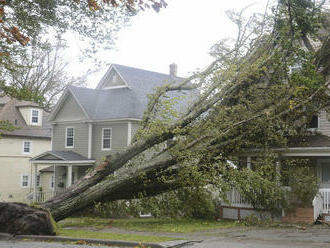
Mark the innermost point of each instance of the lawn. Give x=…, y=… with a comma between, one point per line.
x=149, y=224
x=112, y=236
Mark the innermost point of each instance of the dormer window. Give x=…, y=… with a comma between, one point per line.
x=35, y=116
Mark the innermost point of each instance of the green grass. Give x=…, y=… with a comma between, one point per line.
x=150, y=224
x=112, y=236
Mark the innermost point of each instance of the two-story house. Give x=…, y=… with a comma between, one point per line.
x=89, y=124
x=17, y=147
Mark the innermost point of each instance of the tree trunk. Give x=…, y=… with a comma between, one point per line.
x=125, y=185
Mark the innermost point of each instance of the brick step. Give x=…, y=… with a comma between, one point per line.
x=300, y=215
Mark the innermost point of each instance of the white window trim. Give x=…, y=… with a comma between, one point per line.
x=35, y=123
x=23, y=147
x=102, y=148
x=66, y=137
x=28, y=182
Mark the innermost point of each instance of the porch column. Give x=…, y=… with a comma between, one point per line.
x=278, y=171
x=90, y=133
x=248, y=162
x=54, y=188
x=35, y=175
x=69, y=176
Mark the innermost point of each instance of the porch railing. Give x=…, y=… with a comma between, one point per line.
x=325, y=195
x=321, y=203
x=235, y=199
x=41, y=196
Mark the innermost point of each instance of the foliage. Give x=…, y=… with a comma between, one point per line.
x=28, y=22
x=300, y=176
x=6, y=126
x=185, y=202
x=260, y=186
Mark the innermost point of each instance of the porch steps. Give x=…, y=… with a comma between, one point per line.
x=300, y=215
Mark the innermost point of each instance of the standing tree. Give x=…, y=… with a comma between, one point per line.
x=25, y=25
x=249, y=99
x=41, y=76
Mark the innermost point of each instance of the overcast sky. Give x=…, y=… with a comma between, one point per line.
x=182, y=33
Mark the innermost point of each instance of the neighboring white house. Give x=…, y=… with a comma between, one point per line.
x=32, y=137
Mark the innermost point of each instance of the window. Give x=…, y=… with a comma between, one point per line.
x=38, y=181
x=69, y=137
x=106, y=138
x=52, y=182
x=27, y=147
x=314, y=122
x=25, y=181
x=35, y=116
x=325, y=174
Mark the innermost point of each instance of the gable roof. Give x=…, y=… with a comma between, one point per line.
x=61, y=157
x=10, y=112
x=137, y=78
x=119, y=103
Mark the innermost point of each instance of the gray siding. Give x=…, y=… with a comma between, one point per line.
x=80, y=138
x=135, y=127
x=118, y=141
x=324, y=123
x=70, y=111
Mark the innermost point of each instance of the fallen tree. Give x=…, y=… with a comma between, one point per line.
x=250, y=98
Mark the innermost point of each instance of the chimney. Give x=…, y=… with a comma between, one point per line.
x=173, y=70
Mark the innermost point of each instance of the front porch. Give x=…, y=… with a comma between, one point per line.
x=63, y=169
x=317, y=150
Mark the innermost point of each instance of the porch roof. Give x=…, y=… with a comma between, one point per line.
x=312, y=146
x=61, y=157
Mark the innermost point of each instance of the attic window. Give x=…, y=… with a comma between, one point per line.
x=106, y=138
x=35, y=116
x=69, y=137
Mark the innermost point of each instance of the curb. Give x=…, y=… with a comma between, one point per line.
x=92, y=241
